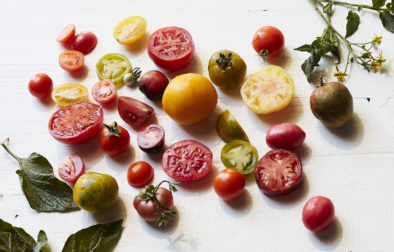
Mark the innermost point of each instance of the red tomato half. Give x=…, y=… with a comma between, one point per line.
x=84, y=42
x=71, y=168
x=104, y=91
x=187, y=160
x=318, y=213
x=66, y=35
x=71, y=61
x=171, y=48
x=268, y=41
x=76, y=123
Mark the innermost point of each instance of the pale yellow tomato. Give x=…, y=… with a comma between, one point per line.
x=189, y=98
x=130, y=30
x=69, y=93
x=268, y=90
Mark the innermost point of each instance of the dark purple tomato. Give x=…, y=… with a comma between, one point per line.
x=133, y=111
x=151, y=138
x=84, y=42
x=153, y=84
x=286, y=136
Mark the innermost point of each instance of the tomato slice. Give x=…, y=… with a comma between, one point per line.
x=151, y=138
x=187, y=160
x=71, y=168
x=130, y=30
x=278, y=172
x=104, y=91
x=240, y=155
x=71, y=61
x=113, y=66
x=171, y=48
x=69, y=93
x=76, y=123
x=66, y=35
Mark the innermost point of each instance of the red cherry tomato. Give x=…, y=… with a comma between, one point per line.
x=76, y=123
x=66, y=35
x=153, y=84
x=84, y=42
x=288, y=136
x=151, y=138
x=133, y=111
x=278, y=172
x=268, y=41
x=229, y=184
x=71, y=168
x=187, y=160
x=171, y=48
x=104, y=91
x=114, y=139
x=140, y=174
x=318, y=213
x=40, y=85
x=71, y=61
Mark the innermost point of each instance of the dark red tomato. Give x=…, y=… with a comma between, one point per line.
x=133, y=111
x=187, y=160
x=288, y=136
x=268, y=41
x=278, y=172
x=71, y=61
x=140, y=174
x=171, y=48
x=229, y=184
x=84, y=42
x=40, y=85
x=147, y=209
x=104, y=91
x=114, y=139
x=76, y=123
x=318, y=213
x=151, y=138
x=66, y=35
x=71, y=168
x=153, y=84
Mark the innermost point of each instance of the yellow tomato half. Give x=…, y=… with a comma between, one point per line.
x=69, y=93
x=189, y=98
x=130, y=30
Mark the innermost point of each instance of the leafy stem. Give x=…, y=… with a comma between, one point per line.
x=6, y=141
x=113, y=130
x=362, y=6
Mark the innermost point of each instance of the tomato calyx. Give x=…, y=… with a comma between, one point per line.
x=164, y=212
x=132, y=78
x=113, y=130
x=264, y=54
x=224, y=62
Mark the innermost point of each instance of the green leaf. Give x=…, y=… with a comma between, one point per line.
x=309, y=64
x=353, y=21
x=43, y=191
x=14, y=239
x=330, y=43
x=328, y=9
x=378, y=3
x=97, y=238
x=304, y=48
x=387, y=20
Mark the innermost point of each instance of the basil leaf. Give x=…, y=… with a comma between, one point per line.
x=353, y=21
x=378, y=3
x=304, y=48
x=387, y=20
x=43, y=191
x=14, y=239
x=97, y=238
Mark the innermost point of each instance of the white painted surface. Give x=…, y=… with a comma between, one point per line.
x=352, y=165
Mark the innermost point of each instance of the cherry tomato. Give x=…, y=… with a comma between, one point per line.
x=287, y=136
x=318, y=213
x=71, y=61
x=71, y=168
x=278, y=172
x=66, y=35
x=104, y=91
x=187, y=160
x=269, y=42
x=76, y=123
x=84, y=42
x=151, y=138
x=240, y=155
x=140, y=174
x=229, y=184
x=171, y=48
x=40, y=85
x=153, y=84
x=114, y=139
x=133, y=111
x=130, y=30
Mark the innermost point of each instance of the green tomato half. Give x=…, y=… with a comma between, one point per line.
x=240, y=155
x=228, y=128
x=113, y=66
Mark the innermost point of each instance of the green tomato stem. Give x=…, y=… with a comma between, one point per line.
x=355, y=5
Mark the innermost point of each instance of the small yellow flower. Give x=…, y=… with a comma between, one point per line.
x=376, y=65
x=377, y=40
x=340, y=75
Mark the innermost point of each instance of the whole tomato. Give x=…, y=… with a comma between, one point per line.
x=269, y=42
x=114, y=139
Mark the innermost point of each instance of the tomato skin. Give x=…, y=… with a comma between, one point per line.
x=114, y=145
x=71, y=168
x=151, y=138
x=133, y=111
x=104, y=91
x=288, y=136
x=40, y=85
x=153, y=84
x=147, y=209
x=66, y=35
x=318, y=213
x=71, y=61
x=229, y=184
x=140, y=174
x=269, y=38
x=84, y=42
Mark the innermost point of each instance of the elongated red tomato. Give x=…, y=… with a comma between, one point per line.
x=76, y=123
x=71, y=61
x=71, y=168
x=171, y=48
x=318, y=213
x=104, y=91
x=288, y=136
x=187, y=160
x=133, y=111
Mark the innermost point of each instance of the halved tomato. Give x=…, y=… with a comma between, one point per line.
x=104, y=91
x=130, y=30
x=69, y=93
x=66, y=35
x=71, y=61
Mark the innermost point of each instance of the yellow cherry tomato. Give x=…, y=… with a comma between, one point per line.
x=130, y=30
x=268, y=90
x=69, y=93
x=189, y=98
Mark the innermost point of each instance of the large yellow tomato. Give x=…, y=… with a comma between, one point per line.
x=130, y=30
x=189, y=98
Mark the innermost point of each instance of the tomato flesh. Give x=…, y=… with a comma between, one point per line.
x=278, y=172
x=104, y=91
x=318, y=213
x=71, y=168
x=187, y=160
x=140, y=174
x=76, y=123
x=66, y=35
x=151, y=138
x=133, y=111
x=71, y=61
x=240, y=155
